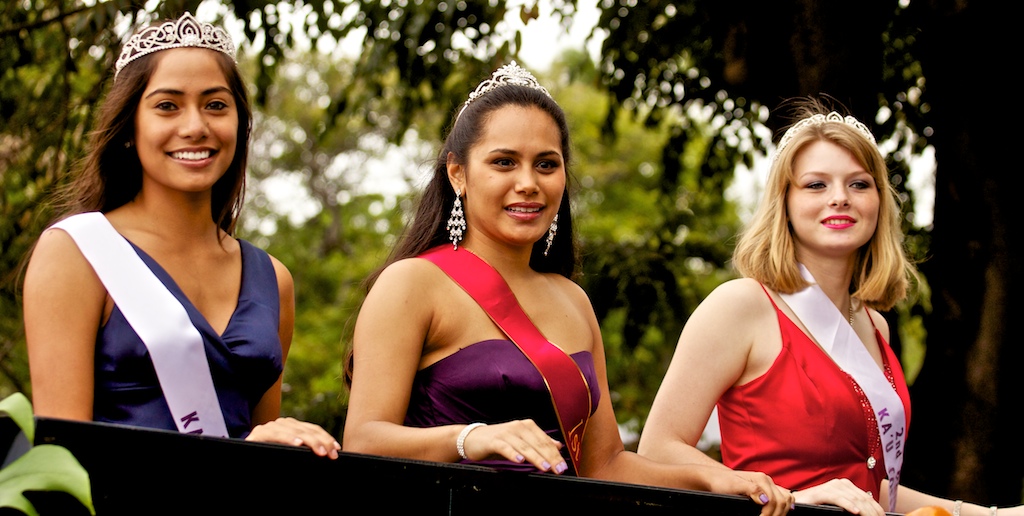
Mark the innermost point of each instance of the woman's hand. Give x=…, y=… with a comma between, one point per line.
x=775, y=500
x=843, y=494
x=286, y=430
x=518, y=441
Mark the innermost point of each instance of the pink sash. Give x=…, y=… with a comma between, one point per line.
x=563, y=377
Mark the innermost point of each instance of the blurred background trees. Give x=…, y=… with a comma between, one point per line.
x=671, y=127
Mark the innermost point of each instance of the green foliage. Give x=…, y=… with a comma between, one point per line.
x=659, y=125
x=44, y=467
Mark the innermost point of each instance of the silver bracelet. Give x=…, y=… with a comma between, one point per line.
x=995, y=510
x=460, y=443
x=956, y=507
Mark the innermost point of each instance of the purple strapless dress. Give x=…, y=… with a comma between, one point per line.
x=491, y=381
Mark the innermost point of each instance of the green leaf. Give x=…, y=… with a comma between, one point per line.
x=19, y=409
x=45, y=467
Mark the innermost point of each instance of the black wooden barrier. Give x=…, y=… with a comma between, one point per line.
x=137, y=471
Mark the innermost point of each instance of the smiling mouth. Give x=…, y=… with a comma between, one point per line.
x=517, y=209
x=192, y=156
x=835, y=222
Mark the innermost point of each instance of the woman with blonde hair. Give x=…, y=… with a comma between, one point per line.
x=795, y=353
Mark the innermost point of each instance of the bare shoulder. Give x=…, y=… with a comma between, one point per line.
x=58, y=278
x=284, y=276
x=739, y=295
x=56, y=251
x=408, y=277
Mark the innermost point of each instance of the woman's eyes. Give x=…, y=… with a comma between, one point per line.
x=858, y=184
x=216, y=105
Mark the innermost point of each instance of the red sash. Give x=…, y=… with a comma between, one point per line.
x=563, y=377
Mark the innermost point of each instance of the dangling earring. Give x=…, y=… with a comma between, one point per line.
x=128, y=144
x=551, y=234
x=457, y=222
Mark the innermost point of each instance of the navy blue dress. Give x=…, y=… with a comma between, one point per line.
x=245, y=360
x=492, y=382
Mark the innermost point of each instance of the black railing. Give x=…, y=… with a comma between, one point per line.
x=141, y=472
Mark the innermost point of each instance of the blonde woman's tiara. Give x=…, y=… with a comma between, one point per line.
x=820, y=119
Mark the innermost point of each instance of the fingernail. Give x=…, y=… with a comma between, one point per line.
x=545, y=465
x=520, y=458
x=763, y=497
x=297, y=441
x=792, y=506
x=561, y=467
x=323, y=451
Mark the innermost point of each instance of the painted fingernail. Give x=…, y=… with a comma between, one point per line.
x=545, y=465
x=763, y=497
x=792, y=506
x=520, y=458
x=561, y=467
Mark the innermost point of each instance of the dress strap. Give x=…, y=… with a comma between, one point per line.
x=765, y=289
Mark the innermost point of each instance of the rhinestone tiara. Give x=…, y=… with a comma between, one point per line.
x=510, y=74
x=820, y=119
x=183, y=32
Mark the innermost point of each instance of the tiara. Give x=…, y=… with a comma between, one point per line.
x=184, y=32
x=510, y=74
x=820, y=119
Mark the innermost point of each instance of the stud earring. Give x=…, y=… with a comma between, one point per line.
x=457, y=222
x=551, y=234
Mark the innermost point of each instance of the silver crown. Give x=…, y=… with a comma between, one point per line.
x=820, y=119
x=184, y=32
x=510, y=74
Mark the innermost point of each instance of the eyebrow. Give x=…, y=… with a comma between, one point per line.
x=171, y=91
x=516, y=153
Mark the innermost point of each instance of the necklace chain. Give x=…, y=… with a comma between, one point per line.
x=851, y=310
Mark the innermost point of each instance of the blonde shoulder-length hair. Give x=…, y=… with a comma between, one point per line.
x=765, y=250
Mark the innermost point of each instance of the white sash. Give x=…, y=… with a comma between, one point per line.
x=158, y=318
x=834, y=333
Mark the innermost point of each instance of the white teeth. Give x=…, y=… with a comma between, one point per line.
x=523, y=210
x=837, y=221
x=191, y=156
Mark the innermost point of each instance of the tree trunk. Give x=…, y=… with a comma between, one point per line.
x=960, y=440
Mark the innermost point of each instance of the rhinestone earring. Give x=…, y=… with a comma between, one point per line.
x=551, y=234
x=457, y=222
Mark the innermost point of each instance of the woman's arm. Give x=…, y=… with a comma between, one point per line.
x=909, y=499
x=63, y=308
x=267, y=425
x=606, y=458
x=711, y=355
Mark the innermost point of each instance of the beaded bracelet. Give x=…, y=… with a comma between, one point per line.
x=460, y=443
x=956, y=507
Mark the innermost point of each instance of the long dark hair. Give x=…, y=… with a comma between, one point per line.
x=110, y=175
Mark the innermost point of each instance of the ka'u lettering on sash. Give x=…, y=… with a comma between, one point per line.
x=158, y=318
x=828, y=327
